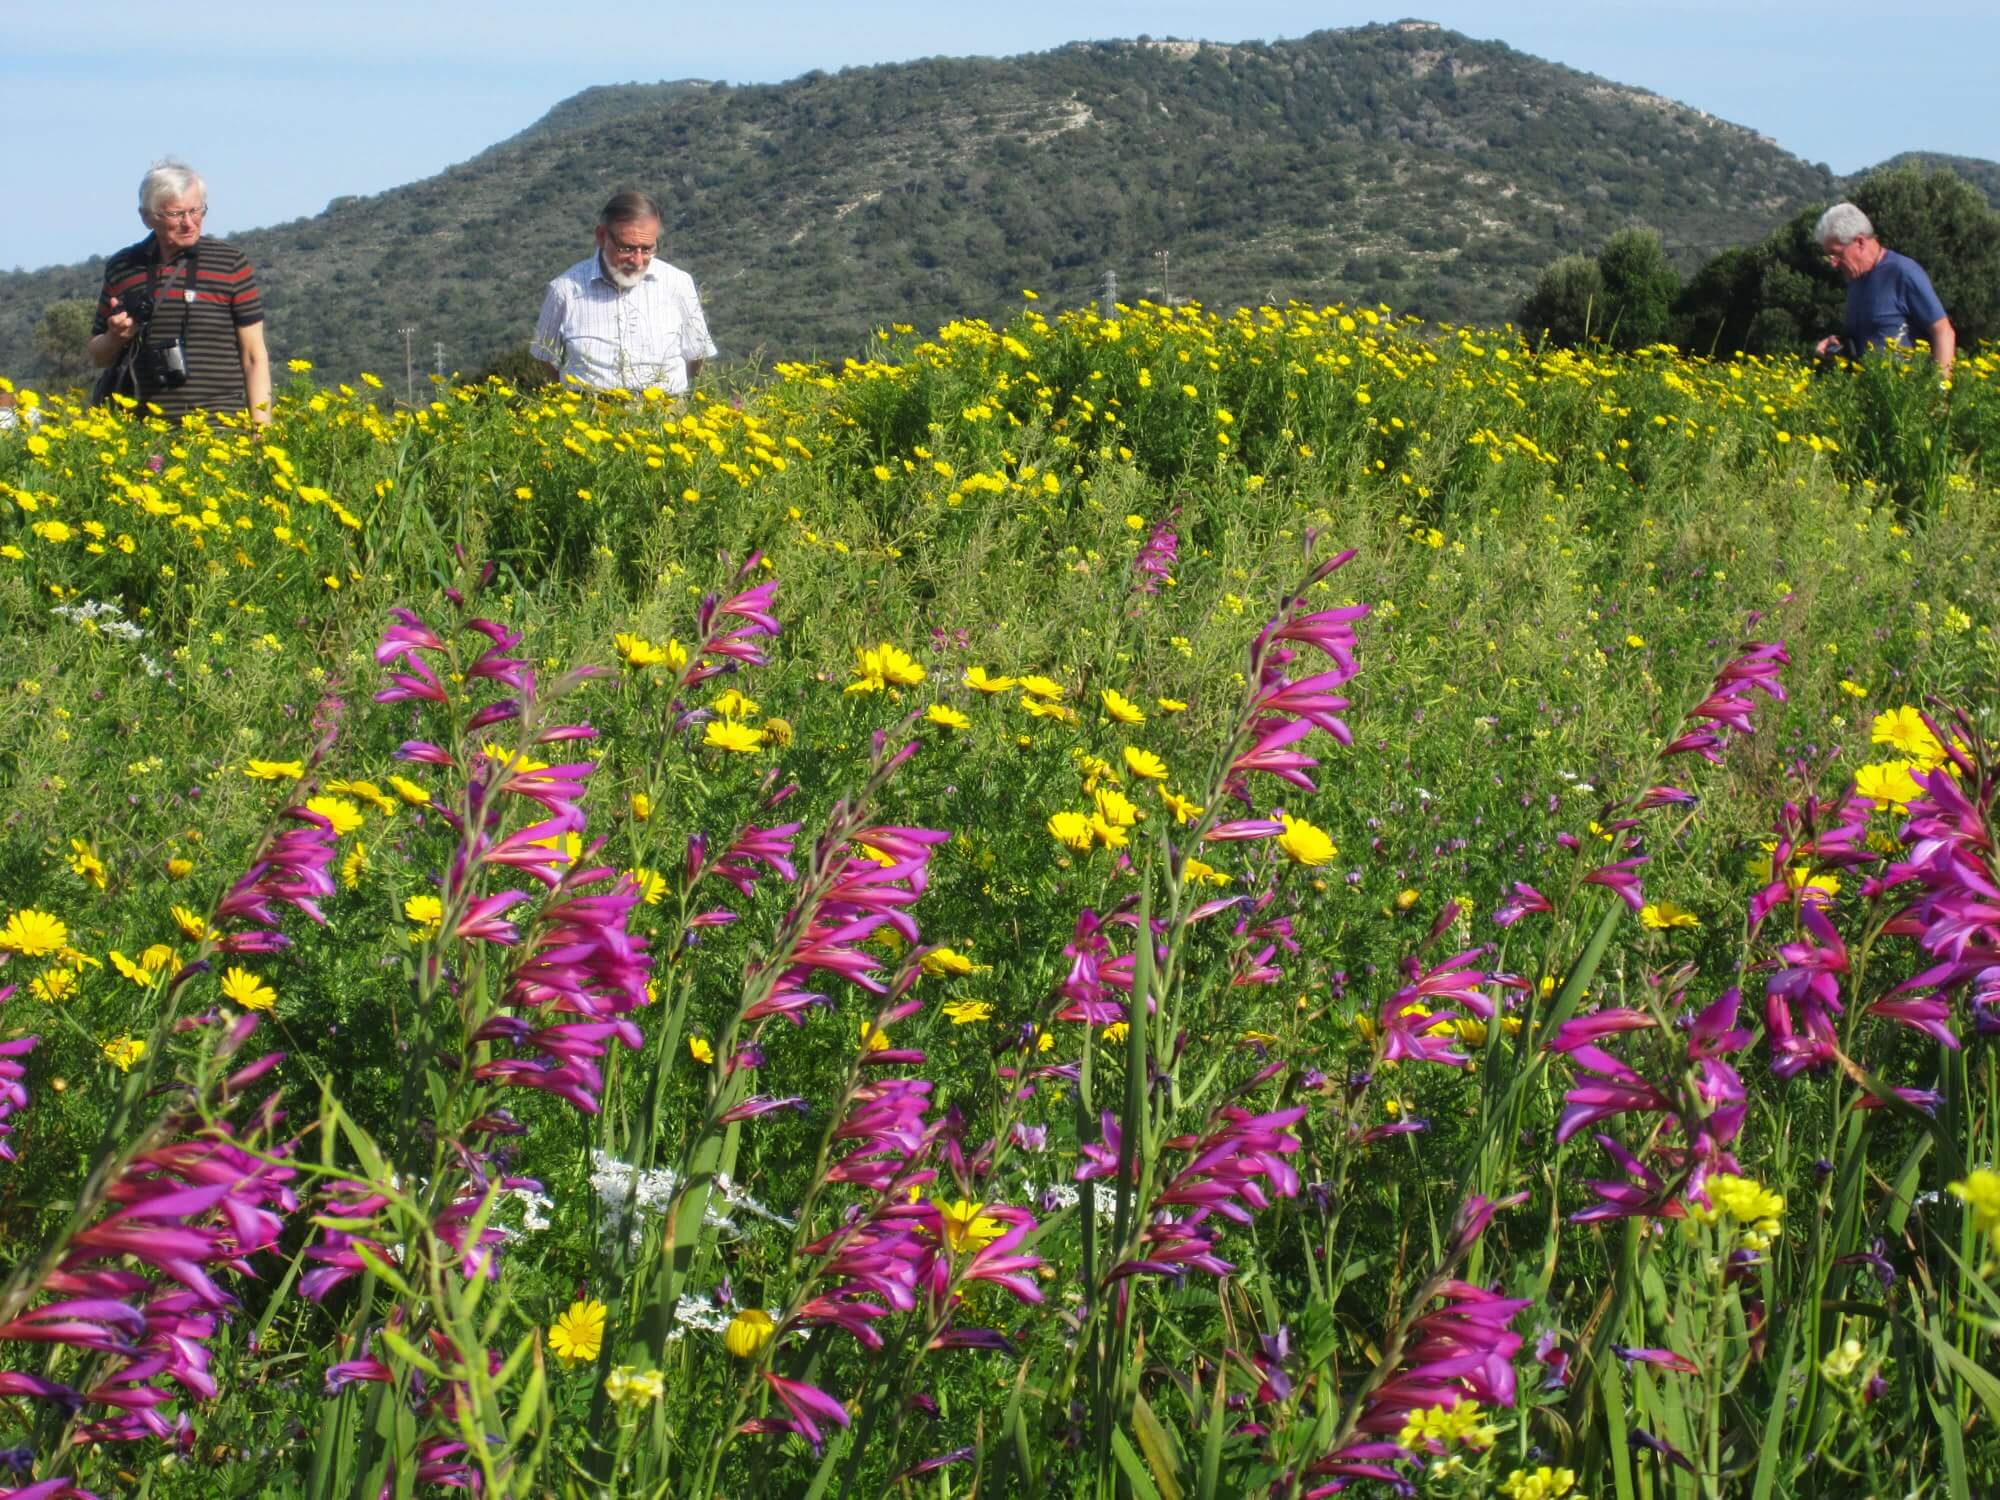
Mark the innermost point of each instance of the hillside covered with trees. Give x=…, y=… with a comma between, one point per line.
x=1401, y=163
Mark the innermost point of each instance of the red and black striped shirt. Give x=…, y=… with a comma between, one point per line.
x=219, y=298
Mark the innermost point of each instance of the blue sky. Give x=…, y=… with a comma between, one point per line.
x=312, y=99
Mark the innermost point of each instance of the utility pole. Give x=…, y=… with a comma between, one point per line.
x=409, y=366
x=438, y=350
x=1166, y=281
x=1107, y=301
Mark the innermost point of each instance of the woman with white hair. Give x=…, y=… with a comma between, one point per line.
x=179, y=325
x=1889, y=298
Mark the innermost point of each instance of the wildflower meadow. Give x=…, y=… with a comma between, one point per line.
x=1165, y=905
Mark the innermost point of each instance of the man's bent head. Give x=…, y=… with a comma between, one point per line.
x=628, y=236
x=1847, y=239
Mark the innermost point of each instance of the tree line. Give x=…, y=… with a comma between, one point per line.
x=1777, y=295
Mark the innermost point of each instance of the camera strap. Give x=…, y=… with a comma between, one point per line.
x=192, y=261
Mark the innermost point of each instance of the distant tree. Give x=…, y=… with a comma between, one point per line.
x=517, y=367
x=1567, y=304
x=1639, y=288
x=59, y=340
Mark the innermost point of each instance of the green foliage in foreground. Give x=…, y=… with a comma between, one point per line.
x=1557, y=555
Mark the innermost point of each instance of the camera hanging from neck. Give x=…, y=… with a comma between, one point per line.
x=123, y=374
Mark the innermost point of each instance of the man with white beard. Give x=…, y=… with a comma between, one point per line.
x=623, y=320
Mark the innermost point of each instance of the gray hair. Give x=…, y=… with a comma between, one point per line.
x=629, y=206
x=1843, y=222
x=170, y=177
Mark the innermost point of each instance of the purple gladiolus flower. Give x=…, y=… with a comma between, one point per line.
x=805, y=1403
x=179, y=1213
x=1154, y=564
x=1664, y=1359
x=932, y=1465
x=1640, y=1438
x=13, y=1092
x=1524, y=900
x=1621, y=878
x=1462, y=1350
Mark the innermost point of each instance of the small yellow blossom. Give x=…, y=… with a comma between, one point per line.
x=700, y=1050
x=949, y=718
x=942, y=963
x=83, y=861
x=651, y=883
x=247, y=990
x=577, y=1336
x=1904, y=730
x=883, y=666
x=1889, y=784
x=1304, y=844
x=1119, y=708
x=727, y=734
x=1072, y=829
x=1663, y=915
x=749, y=1331
x=625, y=1386
x=342, y=814
x=967, y=1226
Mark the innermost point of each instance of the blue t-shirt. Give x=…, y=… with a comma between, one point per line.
x=1892, y=304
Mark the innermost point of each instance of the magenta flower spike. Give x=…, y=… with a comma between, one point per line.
x=1524, y=900
x=482, y=919
x=1462, y=1350
x=493, y=664
x=13, y=1092
x=137, y=1283
x=1621, y=878
x=1268, y=752
x=806, y=1403
x=1574, y=1033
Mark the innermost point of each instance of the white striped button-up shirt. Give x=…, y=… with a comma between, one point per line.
x=601, y=335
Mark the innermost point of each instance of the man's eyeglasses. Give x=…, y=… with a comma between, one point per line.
x=619, y=247
x=184, y=215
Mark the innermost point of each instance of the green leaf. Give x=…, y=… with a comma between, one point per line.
x=1162, y=1453
x=531, y=1403
x=1211, y=1439
x=1133, y=1466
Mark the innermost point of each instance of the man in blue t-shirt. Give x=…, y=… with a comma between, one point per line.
x=1889, y=298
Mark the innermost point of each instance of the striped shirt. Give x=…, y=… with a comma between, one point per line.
x=601, y=335
x=220, y=298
